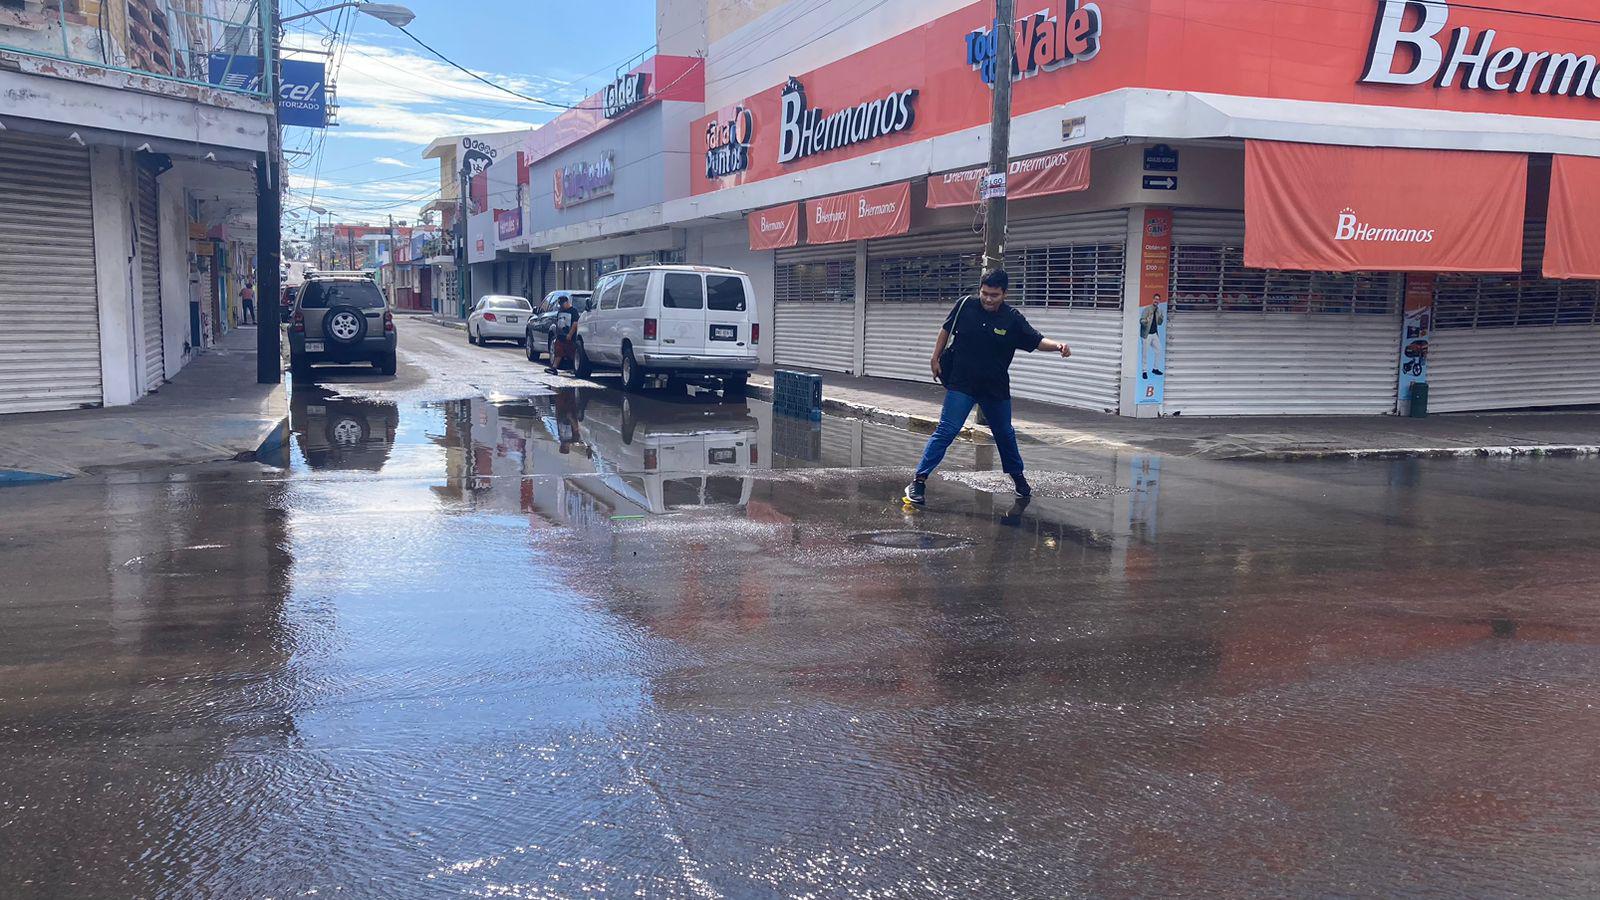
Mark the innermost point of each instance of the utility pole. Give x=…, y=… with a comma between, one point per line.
x=394, y=262
x=996, y=211
x=269, y=214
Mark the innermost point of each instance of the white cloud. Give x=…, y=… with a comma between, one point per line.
x=391, y=161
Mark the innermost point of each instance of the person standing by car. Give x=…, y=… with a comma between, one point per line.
x=247, y=298
x=565, y=330
x=981, y=338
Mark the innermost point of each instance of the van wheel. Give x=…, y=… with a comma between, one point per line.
x=632, y=375
x=582, y=367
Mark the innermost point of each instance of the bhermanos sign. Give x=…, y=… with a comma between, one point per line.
x=807, y=131
x=1410, y=47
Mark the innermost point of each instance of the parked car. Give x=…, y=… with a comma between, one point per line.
x=498, y=317
x=690, y=323
x=341, y=317
x=539, y=333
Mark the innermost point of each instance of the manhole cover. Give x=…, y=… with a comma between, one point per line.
x=909, y=540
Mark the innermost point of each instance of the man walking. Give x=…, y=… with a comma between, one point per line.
x=565, y=330
x=247, y=297
x=982, y=336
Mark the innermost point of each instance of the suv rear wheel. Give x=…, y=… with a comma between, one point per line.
x=387, y=364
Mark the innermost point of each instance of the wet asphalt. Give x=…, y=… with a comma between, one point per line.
x=479, y=636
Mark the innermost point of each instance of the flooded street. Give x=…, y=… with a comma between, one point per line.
x=481, y=638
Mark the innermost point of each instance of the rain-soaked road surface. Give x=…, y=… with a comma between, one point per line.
x=578, y=645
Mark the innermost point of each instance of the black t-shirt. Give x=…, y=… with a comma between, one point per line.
x=984, y=344
x=565, y=319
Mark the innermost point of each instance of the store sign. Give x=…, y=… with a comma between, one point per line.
x=1037, y=176
x=807, y=131
x=728, y=144
x=626, y=94
x=582, y=182
x=776, y=228
x=302, y=86
x=1155, y=274
x=508, y=223
x=859, y=216
x=1053, y=37
x=1417, y=53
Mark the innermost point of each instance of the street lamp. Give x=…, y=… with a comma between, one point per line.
x=393, y=13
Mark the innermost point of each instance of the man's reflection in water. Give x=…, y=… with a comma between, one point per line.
x=569, y=416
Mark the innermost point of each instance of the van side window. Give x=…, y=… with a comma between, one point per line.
x=634, y=289
x=608, y=293
x=725, y=293
x=681, y=290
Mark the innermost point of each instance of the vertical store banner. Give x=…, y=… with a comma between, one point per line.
x=775, y=228
x=859, y=215
x=1572, y=243
x=1155, y=275
x=1318, y=208
x=1415, y=334
x=1038, y=176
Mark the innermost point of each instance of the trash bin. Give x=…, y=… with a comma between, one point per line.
x=1419, y=400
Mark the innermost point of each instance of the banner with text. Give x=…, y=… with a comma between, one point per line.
x=1155, y=274
x=775, y=228
x=859, y=215
x=1037, y=176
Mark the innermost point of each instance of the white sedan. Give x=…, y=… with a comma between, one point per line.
x=499, y=318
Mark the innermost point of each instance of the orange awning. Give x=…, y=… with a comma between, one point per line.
x=1321, y=208
x=775, y=228
x=1572, y=243
x=859, y=216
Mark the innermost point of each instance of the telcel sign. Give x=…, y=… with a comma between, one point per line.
x=626, y=93
x=1045, y=41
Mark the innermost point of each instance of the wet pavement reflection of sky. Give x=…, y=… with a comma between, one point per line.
x=669, y=646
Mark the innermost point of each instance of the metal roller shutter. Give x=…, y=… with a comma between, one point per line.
x=49, y=305
x=149, y=237
x=900, y=339
x=1512, y=341
x=518, y=278
x=1091, y=378
x=1257, y=342
x=814, y=325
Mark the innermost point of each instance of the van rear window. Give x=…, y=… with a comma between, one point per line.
x=725, y=293
x=683, y=291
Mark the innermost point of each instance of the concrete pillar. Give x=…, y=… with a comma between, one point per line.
x=174, y=227
x=1134, y=265
x=111, y=182
x=860, y=363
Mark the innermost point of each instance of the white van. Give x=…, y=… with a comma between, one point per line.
x=685, y=322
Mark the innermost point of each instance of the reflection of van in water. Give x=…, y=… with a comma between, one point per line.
x=657, y=456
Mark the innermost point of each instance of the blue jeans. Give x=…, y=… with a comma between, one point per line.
x=957, y=407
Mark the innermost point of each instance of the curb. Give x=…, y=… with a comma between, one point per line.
x=878, y=415
x=448, y=323
x=1530, y=450
x=274, y=449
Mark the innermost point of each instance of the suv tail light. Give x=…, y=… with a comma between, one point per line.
x=755, y=455
x=755, y=332
x=298, y=323
x=651, y=329
x=388, y=322
x=489, y=317
x=651, y=460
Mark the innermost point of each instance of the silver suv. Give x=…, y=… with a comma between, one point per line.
x=341, y=317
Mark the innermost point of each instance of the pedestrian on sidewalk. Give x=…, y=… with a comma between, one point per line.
x=247, y=297
x=972, y=359
x=565, y=329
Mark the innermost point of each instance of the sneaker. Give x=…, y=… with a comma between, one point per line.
x=1024, y=490
x=552, y=370
x=917, y=493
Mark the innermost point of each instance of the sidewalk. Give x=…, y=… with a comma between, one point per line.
x=916, y=406
x=213, y=410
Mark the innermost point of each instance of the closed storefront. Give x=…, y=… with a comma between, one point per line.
x=49, y=314
x=814, y=308
x=1246, y=341
x=1511, y=341
x=1067, y=278
x=148, y=232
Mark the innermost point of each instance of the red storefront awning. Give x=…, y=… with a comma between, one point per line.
x=775, y=228
x=859, y=215
x=1572, y=243
x=1037, y=176
x=1351, y=209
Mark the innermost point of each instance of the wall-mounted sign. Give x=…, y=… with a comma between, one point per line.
x=728, y=144
x=626, y=93
x=807, y=131
x=1155, y=274
x=1045, y=41
x=1160, y=182
x=302, y=86
x=1415, y=334
x=508, y=223
x=1413, y=54
x=859, y=216
x=1062, y=172
x=585, y=181
x=775, y=228
x=1160, y=158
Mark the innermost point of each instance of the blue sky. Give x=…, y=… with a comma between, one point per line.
x=394, y=97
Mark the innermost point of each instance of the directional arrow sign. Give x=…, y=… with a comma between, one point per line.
x=1161, y=182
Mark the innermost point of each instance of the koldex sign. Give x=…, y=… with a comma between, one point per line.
x=1043, y=42
x=807, y=131
x=728, y=144
x=626, y=93
x=1468, y=60
x=582, y=182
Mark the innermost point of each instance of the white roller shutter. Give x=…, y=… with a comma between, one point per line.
x=1257, y=342
x=149, y=237
x=1516, y=340
x=49, y=309
x=1091, y=378
x=814, y=325
x=518, y=278
x=900, y=339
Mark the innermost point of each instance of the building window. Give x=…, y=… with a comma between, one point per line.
x=1214, y=278
x=832, y=281
x=1068, y=276
x=672, y=257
